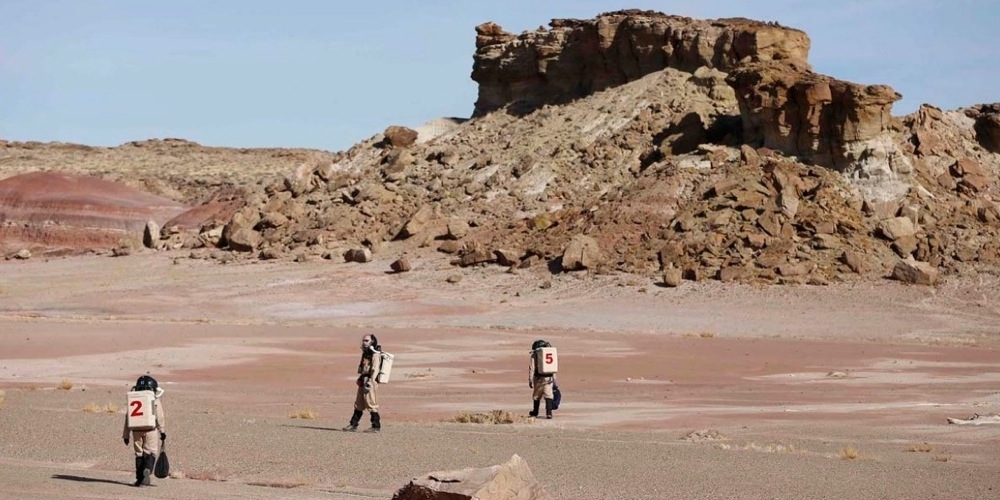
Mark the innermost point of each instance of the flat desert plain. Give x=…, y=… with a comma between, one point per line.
x=709, y=390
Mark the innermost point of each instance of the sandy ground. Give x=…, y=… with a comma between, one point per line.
x=706, y=391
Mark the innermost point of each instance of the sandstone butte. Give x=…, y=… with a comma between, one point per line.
x=639, y=142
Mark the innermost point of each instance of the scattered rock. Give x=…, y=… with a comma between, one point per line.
x=359, y=255
x=512, y=480
x=151, y=234
x=915, y=272
x=400, y=137
x=672, y=277
x=400, y=265
x=582, y=252
x=703, y=435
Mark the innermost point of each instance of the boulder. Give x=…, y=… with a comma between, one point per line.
x=672, y=277
x=915, y=272
x=418, y=222
x=359, y=255
x=582, y=252
x=151, y=235
x=896, y=228
x=509, y=481
x=400, y=137
x=400, y=265
x=987, y=125
x=457, y=229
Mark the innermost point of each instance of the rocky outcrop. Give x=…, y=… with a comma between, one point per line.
x=59, y=211
x=578, y=57
x=817, y=118
x=783, y=105
x=987, y=117
x=509, y=481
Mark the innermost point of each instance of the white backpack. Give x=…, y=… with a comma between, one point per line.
x=385, y=369
x=141, y=410
x=546, y=361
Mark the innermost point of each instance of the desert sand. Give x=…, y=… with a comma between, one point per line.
x=709, y=390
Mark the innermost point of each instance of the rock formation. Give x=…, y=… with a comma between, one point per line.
x=74, y=212
x=579, y=57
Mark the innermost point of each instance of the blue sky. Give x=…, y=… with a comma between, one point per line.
x=327, y=74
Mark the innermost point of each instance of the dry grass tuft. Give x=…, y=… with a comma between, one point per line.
x=199, y=476
x=849, y=453
x=492, y=417
x=920, y=448
x=763, y=448
x=941, y=458
x=91, y=408
x=306, y=414
x=110, y=408
x=65, y=385
x=290, y=483
x=703, y=435
x=706, y=335
x=3, y=395
x=423, y=374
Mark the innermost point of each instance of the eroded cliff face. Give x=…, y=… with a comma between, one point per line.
x=783, y=104
x=578, y=57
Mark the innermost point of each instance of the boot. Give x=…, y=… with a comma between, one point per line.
x=548, y=408
x=140, y=462
x=376, y=422
x=355, y=420
x=534, y=406
x=149, y=460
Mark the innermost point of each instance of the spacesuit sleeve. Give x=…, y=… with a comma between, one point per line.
x=161, y=423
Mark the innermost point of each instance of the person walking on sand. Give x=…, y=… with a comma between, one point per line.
x=143, y=418
x=542, y=367
x=366, y=397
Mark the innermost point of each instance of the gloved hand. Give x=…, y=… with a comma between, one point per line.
x=163, y=436
x=531, y=385
x=126, y=441
x=368, y=387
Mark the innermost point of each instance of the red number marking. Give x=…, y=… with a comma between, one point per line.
x=548, y=358
x=137, y=411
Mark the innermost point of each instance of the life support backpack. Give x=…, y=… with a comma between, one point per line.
x=546, y=358
x=140, y=408
x=385, y=367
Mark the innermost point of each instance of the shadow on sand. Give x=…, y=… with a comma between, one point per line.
x=81, y=479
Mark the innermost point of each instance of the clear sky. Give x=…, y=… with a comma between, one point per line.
x=327, y=74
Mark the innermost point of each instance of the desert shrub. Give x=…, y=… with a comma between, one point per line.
x=306, y=414
x=492, y=417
